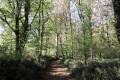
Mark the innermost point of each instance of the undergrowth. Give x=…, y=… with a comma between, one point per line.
x=95, y=69
x=27, y=69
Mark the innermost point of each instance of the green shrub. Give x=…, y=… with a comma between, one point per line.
x=95, y=69
x=25, y=70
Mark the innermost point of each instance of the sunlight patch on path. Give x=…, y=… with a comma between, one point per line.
x=56, y=71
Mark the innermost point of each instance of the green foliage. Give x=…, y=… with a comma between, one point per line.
x=27, y=69
x=95, y=69
x=79, y=38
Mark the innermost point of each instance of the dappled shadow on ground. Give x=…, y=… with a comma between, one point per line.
x=56, y=71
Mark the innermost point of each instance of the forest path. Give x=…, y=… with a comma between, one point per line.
x=56, y=71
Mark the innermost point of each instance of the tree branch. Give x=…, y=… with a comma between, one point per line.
x=34, y=17
x=7, y=23
x=46, y=19
x=9, y=2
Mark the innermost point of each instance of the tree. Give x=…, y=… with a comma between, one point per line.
x=21, y=26
x=116, y=7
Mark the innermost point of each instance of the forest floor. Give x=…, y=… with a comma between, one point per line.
x=57, y=71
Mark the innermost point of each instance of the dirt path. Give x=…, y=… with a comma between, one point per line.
x=56, y=71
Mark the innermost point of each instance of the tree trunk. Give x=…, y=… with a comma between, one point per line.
x=116, y=6
x=17, y=33
x=61, y=46
x=71, y=31
x=41, y=47
x=108, y=38
x=57, y=45
x=46, y=44
x=100, y=42
x=65, y=23
x=91, y=44
x=39, y=35
x=25, y=25
x=84, y=45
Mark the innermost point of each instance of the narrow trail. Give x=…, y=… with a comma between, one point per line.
x=56, y=71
